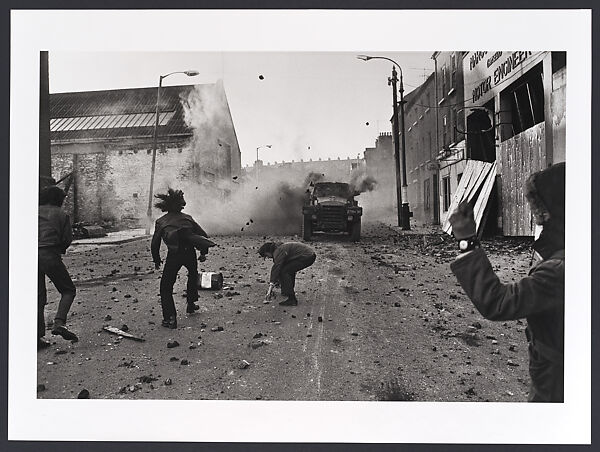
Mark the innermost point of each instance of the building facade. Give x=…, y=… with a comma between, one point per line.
x=332, y=170
x=380, y=164
x=104, y=139
x=515, y=114
x=450, y=139
x=420, y=142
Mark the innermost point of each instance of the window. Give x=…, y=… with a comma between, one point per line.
x=445, y=131
x=459, y=177
x=446, y=192
x=426, y=195
x=354, y=165
x=453, y=71
x=444, y=87
x=454, y=120
x=526, y=101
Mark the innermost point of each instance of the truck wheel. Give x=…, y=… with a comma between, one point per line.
x=306, y=228
x=355, y=232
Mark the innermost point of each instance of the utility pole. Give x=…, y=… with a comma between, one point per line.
x=45, y=159
x=406, y=214
x=393, y=81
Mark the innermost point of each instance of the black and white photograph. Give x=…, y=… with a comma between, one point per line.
x=300, y=219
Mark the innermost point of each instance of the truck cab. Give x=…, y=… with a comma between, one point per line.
x=331, y=207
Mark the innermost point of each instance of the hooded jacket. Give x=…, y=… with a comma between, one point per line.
x=539, y=297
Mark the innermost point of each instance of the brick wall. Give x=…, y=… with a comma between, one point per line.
x=112, y=181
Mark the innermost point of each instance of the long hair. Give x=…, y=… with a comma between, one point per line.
x=52, y=195
x=172, y=201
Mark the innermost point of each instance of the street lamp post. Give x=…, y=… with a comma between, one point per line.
x=404, y=213
x=262, y=146
x=189, y=73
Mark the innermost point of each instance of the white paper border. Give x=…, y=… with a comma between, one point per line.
x=274, y=30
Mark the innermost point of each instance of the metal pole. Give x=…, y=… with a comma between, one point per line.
x=45, y=159
x=393, y=81
x=150, y=194
x=405, y=209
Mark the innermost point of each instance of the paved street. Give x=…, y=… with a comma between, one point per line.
x=379, y=320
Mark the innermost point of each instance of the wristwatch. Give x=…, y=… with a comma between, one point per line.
x=468, y=244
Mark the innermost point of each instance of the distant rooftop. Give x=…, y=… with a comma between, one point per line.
x=99, y=115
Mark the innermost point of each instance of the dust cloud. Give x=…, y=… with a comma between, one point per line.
x=267, y=203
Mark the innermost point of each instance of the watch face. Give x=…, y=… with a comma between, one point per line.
x=463, y=245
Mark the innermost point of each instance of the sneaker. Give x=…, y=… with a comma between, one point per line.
x=42, y=343
x=291, y=301
x=61, y=330
x=170, y=323
x=191, y=308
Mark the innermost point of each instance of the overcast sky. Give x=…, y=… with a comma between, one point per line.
x=307, y=105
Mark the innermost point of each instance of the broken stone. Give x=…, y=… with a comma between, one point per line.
x=168, y=382
x=83, y=394
x=184, y=362
x=172, y=344
x=124, y=328
x=147, y=379
x=470, y=392
x=354, y=334
x=244, y=364
x=257, y=344
x=217, y=328
x=60, y=352
x=41, y=388
x=173, y=359
x=511, y=363
x=257, y=335
x=107, y=318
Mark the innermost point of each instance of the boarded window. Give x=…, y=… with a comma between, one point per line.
x=526, y=101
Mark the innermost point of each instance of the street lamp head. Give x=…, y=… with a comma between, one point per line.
x=363, y=57
x=191, y=73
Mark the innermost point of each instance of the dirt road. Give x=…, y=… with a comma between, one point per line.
x=379, y=320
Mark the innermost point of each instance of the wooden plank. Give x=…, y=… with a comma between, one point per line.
x=479, y=172
x=483, y=172
x=460, y=190
x=483, y=197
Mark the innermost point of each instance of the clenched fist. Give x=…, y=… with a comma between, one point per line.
x=463, y=221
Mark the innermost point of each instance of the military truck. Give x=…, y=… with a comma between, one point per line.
x=331, y=207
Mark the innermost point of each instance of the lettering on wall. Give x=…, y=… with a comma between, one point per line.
x=476, y=58
x=497, y=68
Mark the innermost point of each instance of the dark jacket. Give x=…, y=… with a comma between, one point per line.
x=54, y=228
x=285, y=253
x=167, y=228
x=539, y=297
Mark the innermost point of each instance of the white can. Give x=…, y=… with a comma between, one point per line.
x=210, y=280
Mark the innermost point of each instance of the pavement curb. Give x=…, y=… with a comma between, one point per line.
x=107, y=242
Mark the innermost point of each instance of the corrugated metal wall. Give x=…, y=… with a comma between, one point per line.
x=518, y=157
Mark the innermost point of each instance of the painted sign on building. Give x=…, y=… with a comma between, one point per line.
x=487, y=73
